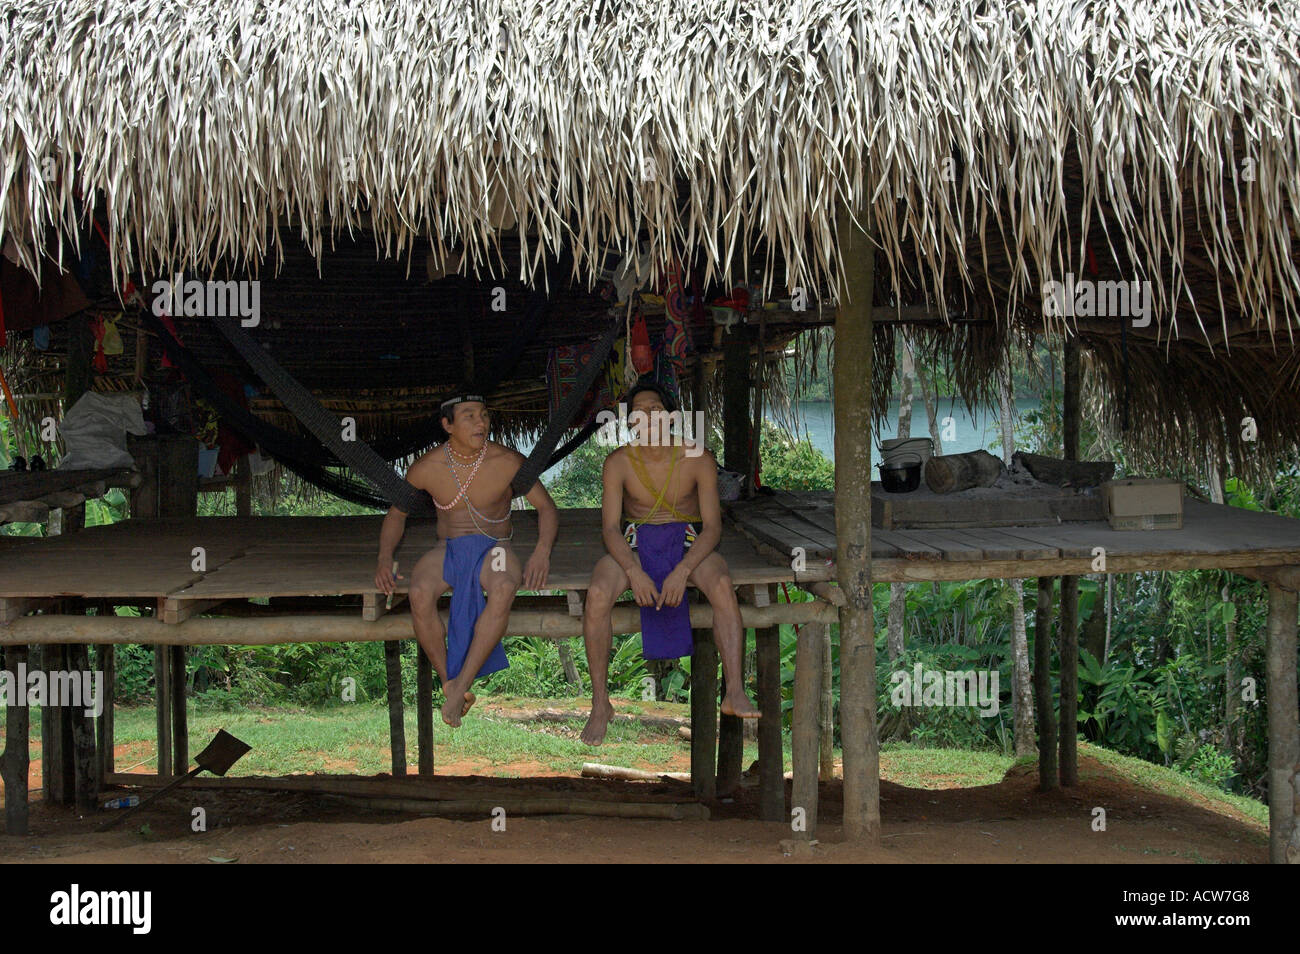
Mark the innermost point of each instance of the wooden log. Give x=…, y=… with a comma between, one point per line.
x=771, y=757
x=805, y=731
x=531, y=805
x=1069, y=681
x=597, y=770
x=180, y=717
x=85, y=768
x=704, y=715
x=162, y=672
x=396, y=723
x=1044, y=711
x=319, y=628
x=1283, y=732
x=424, y=710
x=827, y=746
x=731, y=748
x=106, y=659
x=1065, y=473
x=954, y=472
x=16, y=759
x=852, y=377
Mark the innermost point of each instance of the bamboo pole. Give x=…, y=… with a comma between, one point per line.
x=272, y=630
x=852, y=372
x=1046, y=721
x=805, y=730
x=1283, y=732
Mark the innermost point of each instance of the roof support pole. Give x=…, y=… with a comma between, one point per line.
x=1283, y=731
x=1069, y=764
x=852, y=394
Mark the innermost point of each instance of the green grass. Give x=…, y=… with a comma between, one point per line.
x=941, y=768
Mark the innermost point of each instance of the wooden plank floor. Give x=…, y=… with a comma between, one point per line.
x=257, y=557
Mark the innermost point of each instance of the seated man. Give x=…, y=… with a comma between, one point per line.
x=657, y=547
x=468, y=477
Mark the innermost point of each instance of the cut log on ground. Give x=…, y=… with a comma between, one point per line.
x=1065, y=473
x=597, y=770
x=954, y=472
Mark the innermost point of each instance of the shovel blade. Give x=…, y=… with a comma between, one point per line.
x=222, y=752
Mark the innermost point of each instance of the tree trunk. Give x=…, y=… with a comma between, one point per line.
x=570, y=668
x=1047, y=775
x=852, y=370
x=1283, y=736
x=931, y=415
x=1069, y=698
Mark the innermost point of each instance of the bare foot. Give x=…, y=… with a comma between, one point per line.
x=470, y=699
x=738, y=705
x=455, y=706
x=593, y=733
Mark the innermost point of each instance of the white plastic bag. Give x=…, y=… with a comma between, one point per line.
x=94, y=431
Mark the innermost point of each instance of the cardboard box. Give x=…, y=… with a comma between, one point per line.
x=1143, y=503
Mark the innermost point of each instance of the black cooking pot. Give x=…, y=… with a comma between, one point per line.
x=900, y=476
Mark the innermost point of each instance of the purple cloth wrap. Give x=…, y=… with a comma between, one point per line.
x=665, y=632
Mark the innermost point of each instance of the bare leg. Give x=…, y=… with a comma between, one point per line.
x=714, y=581
x=427, y=586
x=501, y=587
x=607, y=581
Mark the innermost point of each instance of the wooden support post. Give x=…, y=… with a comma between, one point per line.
x=424, y=710
x=1069, y=651
x=1283, y=731
x=852, y=371
x=85, y=762
x=16, y=759
x=704, y=714
x=1043, y=708
x=58, y=767
x=805, y=730
x=180, y=717
x=396, y=725
x=106, y=660
x=736, y=422
x=78, y=374
x=162, y=672
x=731, y=747
x=243, y=488
x=827, y=746
x=771, y=758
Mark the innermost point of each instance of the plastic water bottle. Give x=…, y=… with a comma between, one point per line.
x=126, y=801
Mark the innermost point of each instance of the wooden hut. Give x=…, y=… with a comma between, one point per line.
x=943, y=165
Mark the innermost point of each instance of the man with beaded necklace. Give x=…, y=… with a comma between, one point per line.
x=469, y=478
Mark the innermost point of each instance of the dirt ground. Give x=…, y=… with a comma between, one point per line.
x=1009, y=822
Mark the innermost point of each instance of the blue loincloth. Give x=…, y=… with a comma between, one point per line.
x=665, y=632
x=461, y=566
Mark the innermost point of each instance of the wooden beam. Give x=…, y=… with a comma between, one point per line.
x=85, y=759
x=12, y=607
x=704, y=714
x=1283, y=731
x=1284, y=577
x=106, y=660
x=805, y=730
x=180, y=715
x=852, y=371
x=162, y=672
x=375, y=605
x=574, y=599
x=175, y=610
x=1043, y=708
x=771, y=757
x=274, y=630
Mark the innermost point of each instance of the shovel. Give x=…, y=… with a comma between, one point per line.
x=222, y=752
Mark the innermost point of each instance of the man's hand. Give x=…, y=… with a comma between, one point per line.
x=539, y=564
x=385, y=578
x=674, y=588
x=643, y=588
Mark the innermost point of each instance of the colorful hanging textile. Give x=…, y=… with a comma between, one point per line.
x=677, y=332
x=565, y=364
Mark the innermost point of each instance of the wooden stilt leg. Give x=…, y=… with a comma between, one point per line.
x=827, y=773
x=58, y=773
x=771, y=758
x=106, y=660
x=180, y=716
x=805, y=729
x=16, y=760
x=424, y=710
x=85, y=778
x=1069, y=701
x=704, y=715
x=396, y=723
x=731, y=748
x=1283, y=733
x=1044, y=710
x=162, y=673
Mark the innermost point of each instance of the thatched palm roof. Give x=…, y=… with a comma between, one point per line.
x=997, y=145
